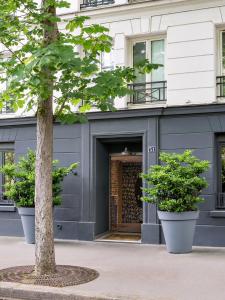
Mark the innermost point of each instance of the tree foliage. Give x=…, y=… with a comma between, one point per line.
x=175, y=186
x=20, y=183
x=43, y=65
x=73, y=60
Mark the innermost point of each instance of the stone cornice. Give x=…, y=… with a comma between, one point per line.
x=131, y=113
x=111, y=10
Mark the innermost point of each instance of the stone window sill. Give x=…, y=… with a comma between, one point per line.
x=7, y=208
x=217, y=213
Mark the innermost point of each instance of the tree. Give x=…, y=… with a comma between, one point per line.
x=46, y=73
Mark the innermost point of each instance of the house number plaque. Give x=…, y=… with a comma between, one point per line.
x=152, y=149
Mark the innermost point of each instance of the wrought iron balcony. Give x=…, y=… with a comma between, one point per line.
x=220, y=201
x=148, y=92
x=138, y=1
x=220, y=85
x=6, y=109
x=95, y=3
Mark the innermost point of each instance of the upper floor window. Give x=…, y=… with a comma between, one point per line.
x=221, y=66
x=106, y=61
x=6, y=106
x=149, y=87
x=6, y=156
x=6, y=109
x=95, y=3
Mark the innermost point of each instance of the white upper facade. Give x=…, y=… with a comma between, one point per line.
x=186, y=36
x=193, y=52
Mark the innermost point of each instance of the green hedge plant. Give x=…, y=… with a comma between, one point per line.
x=176, y=184
x=20, y=180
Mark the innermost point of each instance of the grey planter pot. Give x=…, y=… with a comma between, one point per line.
x=178, y=229
x=28, y=221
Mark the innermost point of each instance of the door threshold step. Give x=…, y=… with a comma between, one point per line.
x=120, y=238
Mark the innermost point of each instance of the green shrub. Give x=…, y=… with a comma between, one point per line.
x=176, y=185
x=20, y=180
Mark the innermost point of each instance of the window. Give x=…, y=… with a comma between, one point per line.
x=94, y=3
x=220, y=82
x=222, y=53
x=149, y=87
x=106, y=61
x=7, y=107
x=6, y=156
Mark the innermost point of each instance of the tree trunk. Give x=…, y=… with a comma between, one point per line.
x=44, y=248
x=44, y=235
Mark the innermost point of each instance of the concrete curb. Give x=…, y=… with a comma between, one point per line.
x=18, y=293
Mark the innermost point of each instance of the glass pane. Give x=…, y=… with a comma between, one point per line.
x=223, y=53
x=157, y=57
x=139, y=55
x=7, y=157
x=223, y=169
x=106, y=61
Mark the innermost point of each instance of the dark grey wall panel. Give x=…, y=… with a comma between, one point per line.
x=119, y=127
x=85, y=201
x=203, y=153
x=21, y=147
x=151, y=233
x=11, y=227
x=71, y=200
x=215, y=124
x=185, y=124
x=101, y=184
x=196, y=132
x=66, y=230
x=86, y=231
x=67, y=131
x=209, y=203
x=67, y=148
x=26, y=133
x=72, y=184
x=9, y=215
x=66, y=159
x=150, y=139
x=208, y=235
x=222, y=123
x=187, y=141
x=66, y=214
x=66, y=145
x=206, y=219
x=8, y=134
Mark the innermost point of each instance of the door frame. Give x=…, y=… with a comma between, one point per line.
x=93, y=166
x=136, y=154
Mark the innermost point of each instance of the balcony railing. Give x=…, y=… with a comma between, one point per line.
x=95, y=3
x=148, y=92
x=6, y=109
x=220, y=85
x=220, y=204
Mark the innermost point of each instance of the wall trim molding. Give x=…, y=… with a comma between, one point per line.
x=131, y=113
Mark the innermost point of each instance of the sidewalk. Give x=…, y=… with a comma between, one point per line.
x=127, y=271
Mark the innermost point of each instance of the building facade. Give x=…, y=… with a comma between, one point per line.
x=179, y=106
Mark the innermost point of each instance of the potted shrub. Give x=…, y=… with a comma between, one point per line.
x=20, y=187
x=175, y=187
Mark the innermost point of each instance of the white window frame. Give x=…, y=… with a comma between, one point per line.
x=148, y=41
x=105, y=67
x=4, y=148
x=220, y=53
